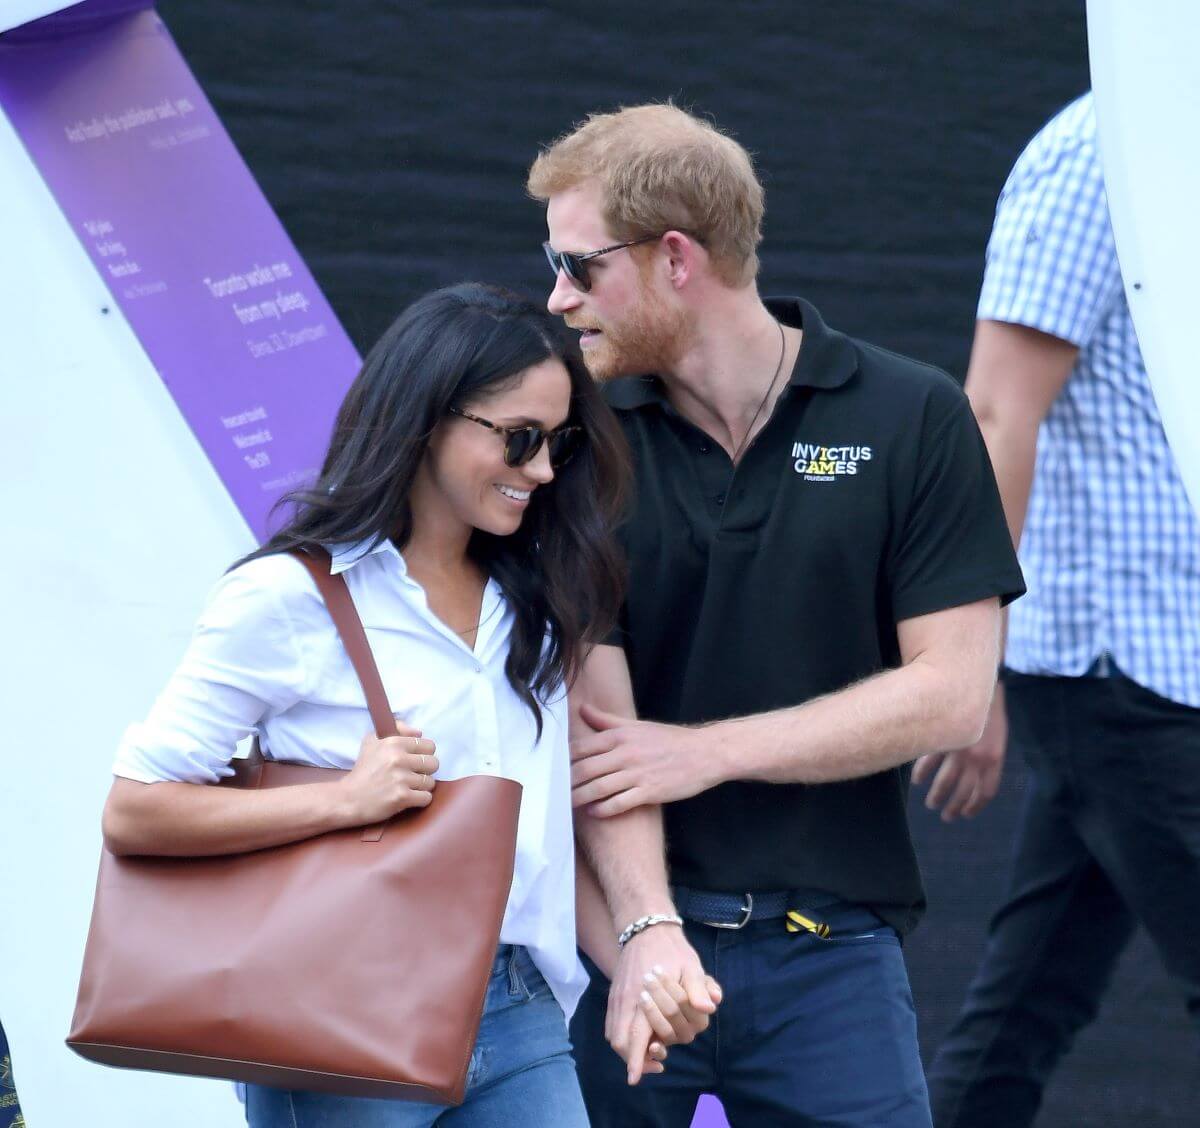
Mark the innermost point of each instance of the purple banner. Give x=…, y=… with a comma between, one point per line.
x=195, y=258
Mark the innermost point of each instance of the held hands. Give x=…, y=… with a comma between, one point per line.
x=390, y=776
x=659, y=997
x=674, y=1020
x=627, y=763
x=967, y=779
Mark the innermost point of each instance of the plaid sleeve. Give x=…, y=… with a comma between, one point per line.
x=1051, y=260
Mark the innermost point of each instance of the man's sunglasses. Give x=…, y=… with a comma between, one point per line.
x=521, y=444
x=575, y=266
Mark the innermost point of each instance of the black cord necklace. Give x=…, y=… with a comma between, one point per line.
x=766, y=394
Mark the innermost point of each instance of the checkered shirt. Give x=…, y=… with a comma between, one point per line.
x=1111, y=546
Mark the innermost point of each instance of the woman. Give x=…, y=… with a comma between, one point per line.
x=468, y=495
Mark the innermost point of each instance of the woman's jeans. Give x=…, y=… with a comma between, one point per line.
x=521, y=1071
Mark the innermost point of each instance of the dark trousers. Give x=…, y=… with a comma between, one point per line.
x=1109, y=838
x=810, y=1032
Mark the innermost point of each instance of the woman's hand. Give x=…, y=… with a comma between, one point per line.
x=672, y=1018
x=390, y=776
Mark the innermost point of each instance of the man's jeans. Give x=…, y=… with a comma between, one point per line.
x=521, y=1074
x=1109, y=838
x=810, y=1032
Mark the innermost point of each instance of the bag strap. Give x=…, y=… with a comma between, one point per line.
x=345, y=617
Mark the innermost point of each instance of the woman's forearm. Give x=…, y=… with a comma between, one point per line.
x=390, y=775
x=191, y=820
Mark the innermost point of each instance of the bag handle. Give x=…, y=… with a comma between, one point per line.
x=349, y=626
x=345, y=617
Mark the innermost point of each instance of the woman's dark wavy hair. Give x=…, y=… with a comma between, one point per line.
x=561, y=571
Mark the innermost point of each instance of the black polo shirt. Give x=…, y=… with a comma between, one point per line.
x=866, y=499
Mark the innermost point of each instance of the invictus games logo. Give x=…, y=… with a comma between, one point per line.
x=816, y=463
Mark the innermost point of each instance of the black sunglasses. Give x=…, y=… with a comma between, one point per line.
x=575, y=266
x=521, y=444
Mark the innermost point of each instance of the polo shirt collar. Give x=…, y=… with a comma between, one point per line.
x=827, y=358
x=636, y=391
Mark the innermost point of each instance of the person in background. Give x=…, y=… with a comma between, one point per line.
x=1102, y=691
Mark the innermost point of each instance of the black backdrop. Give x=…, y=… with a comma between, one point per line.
x=392, y=138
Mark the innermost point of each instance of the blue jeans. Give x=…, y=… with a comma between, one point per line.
x=1109, y=839
x=810, y=1032
x=521, y=1071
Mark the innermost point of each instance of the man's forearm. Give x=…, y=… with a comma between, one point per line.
x=594, y=931
x=1015, y=375
x=626, y=854
x=1012, y=447
x=869, y=727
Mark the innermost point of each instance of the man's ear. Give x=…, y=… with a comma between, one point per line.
x=683, y=256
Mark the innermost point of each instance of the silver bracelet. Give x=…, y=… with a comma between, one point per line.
x=642, y=923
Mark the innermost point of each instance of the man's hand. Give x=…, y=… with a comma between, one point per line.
x=627, y=763
x=626, y=1025
x=965, y=781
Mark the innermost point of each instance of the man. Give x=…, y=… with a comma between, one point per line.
x=1103, y=689
x=817, y=557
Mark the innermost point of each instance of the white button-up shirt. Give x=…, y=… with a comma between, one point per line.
x=266, y=657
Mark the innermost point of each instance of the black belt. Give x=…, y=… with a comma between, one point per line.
x=736, y=910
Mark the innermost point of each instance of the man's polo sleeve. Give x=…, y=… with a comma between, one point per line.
x=952, y=546
x=1051, y=260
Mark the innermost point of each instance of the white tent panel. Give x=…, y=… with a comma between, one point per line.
x=117, y=526
x=1147, y=90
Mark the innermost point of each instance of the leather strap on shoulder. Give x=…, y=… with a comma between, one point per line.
x=337, y=598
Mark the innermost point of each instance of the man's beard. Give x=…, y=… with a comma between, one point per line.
x=646, y=343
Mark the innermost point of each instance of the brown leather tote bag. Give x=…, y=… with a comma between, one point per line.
x=356, y=962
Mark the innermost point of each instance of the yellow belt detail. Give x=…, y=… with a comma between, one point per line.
x=797, y=923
